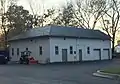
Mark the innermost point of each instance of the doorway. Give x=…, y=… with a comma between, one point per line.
x=64, y=55
x=80, y=54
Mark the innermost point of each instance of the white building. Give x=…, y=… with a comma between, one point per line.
x=62, y=44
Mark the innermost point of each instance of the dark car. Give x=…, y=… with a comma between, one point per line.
x=3, y=59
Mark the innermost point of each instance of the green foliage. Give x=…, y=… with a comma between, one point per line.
x=18, y=19
x=66, y=17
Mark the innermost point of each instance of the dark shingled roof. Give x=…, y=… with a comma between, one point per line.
x=62, y=31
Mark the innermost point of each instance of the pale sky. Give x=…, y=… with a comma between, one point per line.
x=38, y=4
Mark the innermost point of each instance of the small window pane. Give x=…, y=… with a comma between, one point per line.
x=74, y=52
x=88, y=50
x=12, y=51
x=17, y=51
x=56, y=50
x=71, y=50
x=40, y=50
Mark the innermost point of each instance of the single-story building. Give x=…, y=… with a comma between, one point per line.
x=62, y=44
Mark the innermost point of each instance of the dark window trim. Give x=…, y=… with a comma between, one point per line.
x=40, y=50
x=18, y=51
x=96, y=49
x=106, y=49
x=88, y=50
x=74, y=52
x=71, y=49
x=12, y=51
x=56, y=50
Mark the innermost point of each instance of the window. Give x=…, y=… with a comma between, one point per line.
x=71, y=50
x=17, y=51
x=12, y=51
x=74, y=52
x=88, y=50
x=56, y=50
x=26, y=48
x=40, y=50
x=64, y=38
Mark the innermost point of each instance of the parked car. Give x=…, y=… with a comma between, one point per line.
x=4, y=57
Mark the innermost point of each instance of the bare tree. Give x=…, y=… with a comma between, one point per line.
x=41, y=16
x=110, y=21
x=89, y=12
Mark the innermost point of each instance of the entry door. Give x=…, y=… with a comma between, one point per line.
x=64, y=55
x=80, y=54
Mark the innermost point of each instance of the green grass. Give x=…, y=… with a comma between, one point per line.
x=112, y=70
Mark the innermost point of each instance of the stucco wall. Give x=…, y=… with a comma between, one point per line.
x=48, y=45
x=77, y=44
x=33, y=46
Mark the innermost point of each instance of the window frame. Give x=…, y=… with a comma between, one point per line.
x=71, y=50
x=12, y=51
x=88, y=50
x=40, y=50
x=56, y=50
x=18, y=51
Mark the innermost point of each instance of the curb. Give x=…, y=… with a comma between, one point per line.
x=106, y=75
x=102, y=76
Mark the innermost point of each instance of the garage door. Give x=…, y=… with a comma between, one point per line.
x=106, y=54
x=97, y=54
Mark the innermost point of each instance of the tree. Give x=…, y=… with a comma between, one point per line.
x=40, y=17
x=4, y=6
x=14, y=21
x=18, y=19
x=89, y=12
x=66, y=16
x=110, y=20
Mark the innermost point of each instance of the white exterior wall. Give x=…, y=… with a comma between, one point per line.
x=93, y=44
x=77, y=44
x=48, y=45
x=33, y=46
x=62, y=44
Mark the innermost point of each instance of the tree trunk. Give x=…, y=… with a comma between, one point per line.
x=6, y=41
x=113, y=43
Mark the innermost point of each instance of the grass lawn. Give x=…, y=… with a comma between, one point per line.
x=112, y=70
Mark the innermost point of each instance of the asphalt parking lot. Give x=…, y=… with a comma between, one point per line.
x=80, y=73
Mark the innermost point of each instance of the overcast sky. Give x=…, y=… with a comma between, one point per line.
x=38, y=3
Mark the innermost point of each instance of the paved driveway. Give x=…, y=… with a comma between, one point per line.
x=55, y=73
